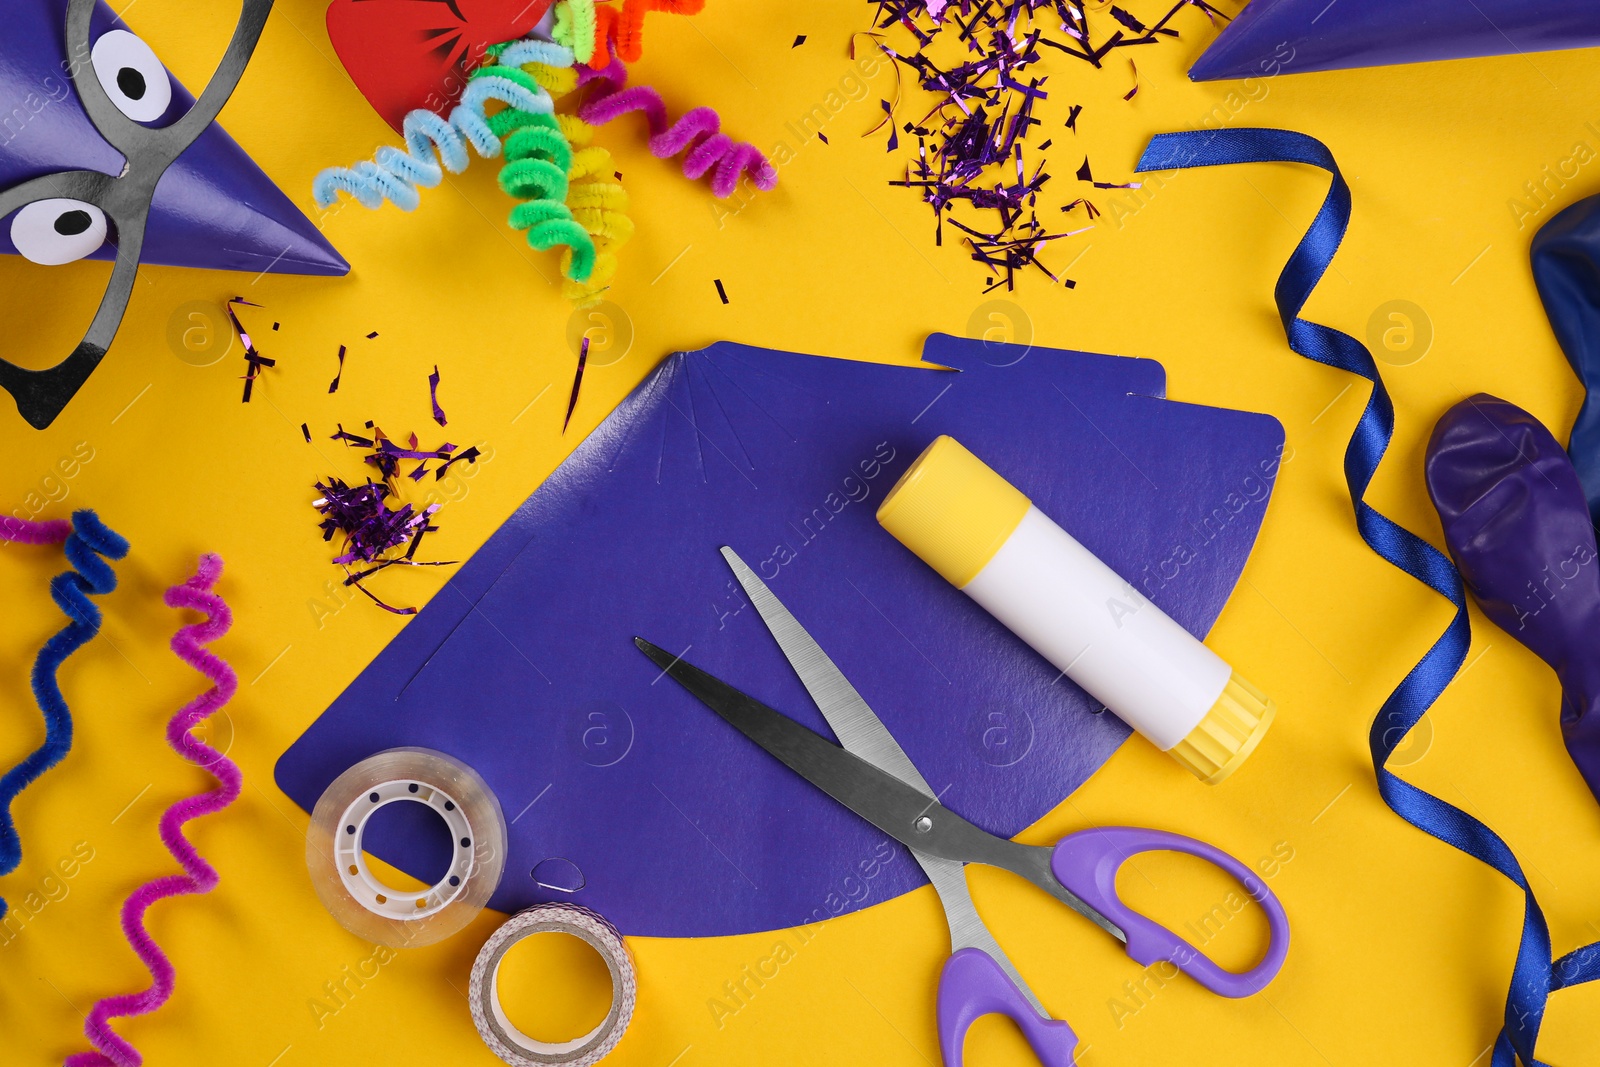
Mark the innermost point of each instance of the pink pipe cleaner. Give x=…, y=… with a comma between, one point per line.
x=30, y=532
x=198, y=876
x=699, y=131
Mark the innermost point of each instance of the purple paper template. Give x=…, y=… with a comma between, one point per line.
x=523, y=665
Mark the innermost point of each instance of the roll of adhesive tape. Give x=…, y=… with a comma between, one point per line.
x=517, y=1048
x=380, y=913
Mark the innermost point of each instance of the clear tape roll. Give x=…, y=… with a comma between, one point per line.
x=511, y=1044
x=368, y=907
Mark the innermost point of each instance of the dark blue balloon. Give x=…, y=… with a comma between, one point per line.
x=1566, y=268
x=1516, y=521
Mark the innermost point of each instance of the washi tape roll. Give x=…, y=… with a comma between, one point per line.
x=511, y=1044
x=377, y=912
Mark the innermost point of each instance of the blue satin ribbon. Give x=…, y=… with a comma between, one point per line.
x=1534, y=975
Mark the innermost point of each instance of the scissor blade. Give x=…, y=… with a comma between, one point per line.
x=874, y=794
x=858, y=728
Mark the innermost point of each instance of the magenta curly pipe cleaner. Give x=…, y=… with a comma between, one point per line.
x=698, y=133
x=198, y=876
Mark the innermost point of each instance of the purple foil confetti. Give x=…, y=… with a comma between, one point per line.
x=975, y=163
x=253, y=359
x=375, y=534
x=433, y=396
x=577, y=377
x=333, y=386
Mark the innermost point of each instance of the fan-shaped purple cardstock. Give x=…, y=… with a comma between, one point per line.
x=213, y=208
x=523, y=665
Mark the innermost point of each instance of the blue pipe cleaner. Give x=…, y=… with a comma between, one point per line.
x=434, y=144
x=89, y=541
x=1534, y=975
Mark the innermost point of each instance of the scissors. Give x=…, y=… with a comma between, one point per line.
x=869, y=773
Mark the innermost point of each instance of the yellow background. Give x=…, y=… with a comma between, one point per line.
x=1402, y=947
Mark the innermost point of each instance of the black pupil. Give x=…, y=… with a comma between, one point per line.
x=131, y=82
x=72, y=223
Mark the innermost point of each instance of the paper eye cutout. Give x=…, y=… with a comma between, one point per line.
x=52, y=232
x=131, y=75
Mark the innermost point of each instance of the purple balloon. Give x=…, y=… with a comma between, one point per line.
x=1516, y=522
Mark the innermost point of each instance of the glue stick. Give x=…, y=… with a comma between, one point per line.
x=988, y=540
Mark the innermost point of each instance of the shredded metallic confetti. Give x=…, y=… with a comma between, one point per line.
x=577, y=380
x=877, y=41
x=433, y=395
x=333, y=386
x=970, y=151
x=253, y=359
x=377, y=536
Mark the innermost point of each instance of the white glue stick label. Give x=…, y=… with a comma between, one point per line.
x=1101, y=630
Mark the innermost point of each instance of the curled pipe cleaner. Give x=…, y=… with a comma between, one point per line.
x=34, y=532
x=198, y=876
x=698, y=134
x=534, y=173
x=594, y=195
x=538, y=154
x=621, y=29
x=575, y=27
x=89, y=540
x=1534, y=975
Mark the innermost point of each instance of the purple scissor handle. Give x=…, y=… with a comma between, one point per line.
x=971, y=986
x=1086, y=863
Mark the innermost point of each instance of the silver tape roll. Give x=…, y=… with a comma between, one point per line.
x=362, y=903
x=517, y=1048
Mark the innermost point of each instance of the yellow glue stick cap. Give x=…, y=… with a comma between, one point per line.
x=952, y=510
x=1231, y=730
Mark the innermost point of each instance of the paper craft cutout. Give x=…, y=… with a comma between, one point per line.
x=406, y=54
x=96, y=186
x=214, y=207
x=523, y=666
x=1272, y=37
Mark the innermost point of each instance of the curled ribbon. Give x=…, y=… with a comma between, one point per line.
x=1534, y=974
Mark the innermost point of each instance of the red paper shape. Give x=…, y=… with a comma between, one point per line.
x=406, y=54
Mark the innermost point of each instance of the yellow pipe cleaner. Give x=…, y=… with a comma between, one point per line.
x=575, y=27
